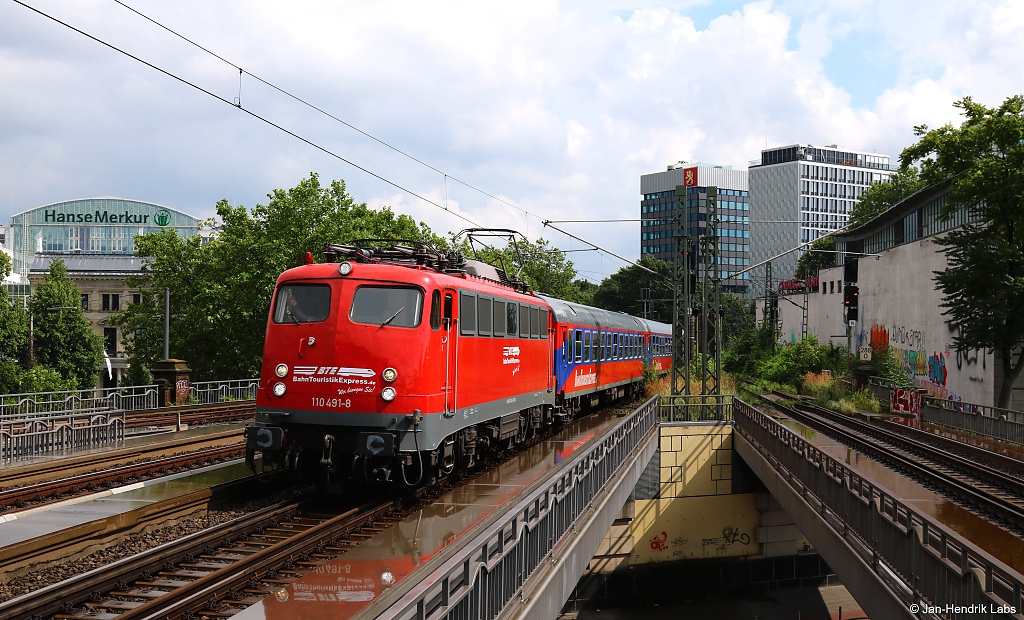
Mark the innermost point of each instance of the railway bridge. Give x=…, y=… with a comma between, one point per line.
x=524, y=559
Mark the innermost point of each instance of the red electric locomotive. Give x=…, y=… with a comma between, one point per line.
x=403, y=363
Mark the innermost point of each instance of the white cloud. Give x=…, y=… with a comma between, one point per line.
x=556, y=107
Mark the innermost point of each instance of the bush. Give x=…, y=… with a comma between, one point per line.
x=822, y=386
x=888, y=366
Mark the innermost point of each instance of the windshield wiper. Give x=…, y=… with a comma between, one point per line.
x=393, y=317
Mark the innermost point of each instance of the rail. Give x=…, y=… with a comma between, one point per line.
x=696, y=407
x=42, y=404
x=28, y=437
x=994, y=422
x=477, y=576
x=922, y=561
x=209, y=392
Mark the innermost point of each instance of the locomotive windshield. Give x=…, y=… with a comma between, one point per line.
x=387, y=305
x=302, y=303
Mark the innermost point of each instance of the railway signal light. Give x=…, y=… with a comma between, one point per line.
x=851, y=299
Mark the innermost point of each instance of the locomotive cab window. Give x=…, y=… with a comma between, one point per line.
x=302, y=303
x=395, y=306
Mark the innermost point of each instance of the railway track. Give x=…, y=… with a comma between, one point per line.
x=963, y=472
x=18, y=497
x=221, y=413
x=55, y=469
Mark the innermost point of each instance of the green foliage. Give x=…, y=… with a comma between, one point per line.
x=810, y=262
x=10, y=377
x=13, y=329
x=546, y=269
x=862, y=400
x=621, y=291
x=221, y=290
x=790, y=363
x=64, y=340
x=749, y=347
x=983, y=285
x=136, y=374
x=42, y=379
x=878, y=198
x=888, y=366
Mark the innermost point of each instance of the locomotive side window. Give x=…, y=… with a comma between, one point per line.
x=535, y=322
x=397, y=306
x=524, y=321
x=435, y=310
x=484, y=316
x=499, y=317
x=512, y=323
x=302, y=303
x=467, y=324
x=544, y=324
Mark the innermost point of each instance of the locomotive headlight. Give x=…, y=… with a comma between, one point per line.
x=388, y=394
x=345, y=268
x=281, y=370
x=389, y=374
x=387, y=578
x=279, y=389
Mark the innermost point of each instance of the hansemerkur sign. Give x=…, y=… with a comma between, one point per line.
x=160, y=218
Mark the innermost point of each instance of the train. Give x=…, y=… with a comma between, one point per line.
x=397, y=362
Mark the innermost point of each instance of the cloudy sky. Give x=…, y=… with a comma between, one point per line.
x=506, y=113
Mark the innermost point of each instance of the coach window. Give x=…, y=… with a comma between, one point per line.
x=586, y=346
x=499, y=317
x=615, y=346
x=467, y=305
x=604, y=346
x=524, y=321
x=579, y=346
x=398, y=306
x=484, y=316
x=511, y=323
x=544, y=324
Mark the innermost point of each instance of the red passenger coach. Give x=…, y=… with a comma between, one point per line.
x=403, y=363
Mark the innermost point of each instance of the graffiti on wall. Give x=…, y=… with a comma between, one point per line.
x=931, y=371
x=661, y=543
x=730, y=536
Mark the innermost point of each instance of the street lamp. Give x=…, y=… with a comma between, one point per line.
x=32, y=331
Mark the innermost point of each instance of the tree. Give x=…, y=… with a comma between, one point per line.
x=621, y=291
x=878, y=198
x=545, y=269
x=63, y=337
x=811, y=262
x=13, y=321
x=983, y=283
x=221, y=290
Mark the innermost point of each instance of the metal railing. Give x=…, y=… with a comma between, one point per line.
x=921, y=561
x=27, y=437
x=994, y=422
x=478, y=575
x=210, y=392
x=696, y=408
x=42, y=404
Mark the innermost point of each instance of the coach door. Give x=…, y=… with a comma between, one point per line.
x=450, y=343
